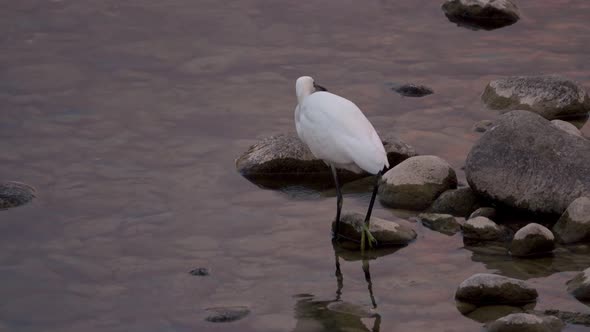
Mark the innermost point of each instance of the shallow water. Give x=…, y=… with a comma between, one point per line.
x=127, y=118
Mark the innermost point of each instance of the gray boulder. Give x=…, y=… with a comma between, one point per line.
x=387, y=233
x=567, y=127
x=458, y=202
x=444, y=223
x=489, y=289
x=523, y=322
x=549, y=96
x=13, y=194
x=286, y=158
x=416, y=182
x=487, y=212
x=579, y=286
x=483, y=229
x=532, y=239
x=481, y=14
x=526, y=163
x=574, y=224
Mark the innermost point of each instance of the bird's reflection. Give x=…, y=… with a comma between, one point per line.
x=336, y=314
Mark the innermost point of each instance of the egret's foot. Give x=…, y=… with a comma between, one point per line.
x=365, y=233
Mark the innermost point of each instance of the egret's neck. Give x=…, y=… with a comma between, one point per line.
x=303, y=92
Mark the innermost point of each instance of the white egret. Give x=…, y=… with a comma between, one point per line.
x=337, y=132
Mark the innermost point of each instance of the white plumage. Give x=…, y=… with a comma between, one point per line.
x=336, y=131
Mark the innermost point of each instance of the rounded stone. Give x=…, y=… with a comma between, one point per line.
x=444, y=223
x=481, y=14
x=483, y=126
x=523, y=322
x=416, y=182
x=483, y=229
x=387, y=233
x=490, y=289
x=458, y=202
x=526, y=163
x=574, y=224
x=567, y=127
x=14, y=194
x=549, y=96
x=487, y=212
x=532, y=239
x=285, y=158
x=579, y=286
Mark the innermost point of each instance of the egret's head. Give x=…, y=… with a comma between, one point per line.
x=305, y=86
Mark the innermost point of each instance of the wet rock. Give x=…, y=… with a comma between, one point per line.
x=486, y=313
x=416, y=182
x=481, y=14
x=444, y=223
x=487, y=212
x=526, y=163
x=579, y=286
x=483, y=229
x=226, y=314
x=523, y=322
x=458, y=202
x=285, y=158
x=549, y=96
x=14, y=194
x=577, y=318
x=574, y=224
x=387, y=233
x=567, y=127
x=532, y=239
x=413, y=90
x=483, y=126
x=200, y=271
x=488, y=289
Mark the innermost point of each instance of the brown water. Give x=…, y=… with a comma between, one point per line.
x=127, y=117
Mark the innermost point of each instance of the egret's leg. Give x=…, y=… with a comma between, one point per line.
x=366, y=232
x=338, y=202
x=339, y=279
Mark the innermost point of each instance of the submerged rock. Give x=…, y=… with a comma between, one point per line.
x=200, y=271
x=574, y=224
x=413, y=90
x=286, y=158
x=549, y=96
x=416, y=182
x=458, y=202
x=444, y=223
x=483, y=229
x=13, y=194
x=487, y=212
x=387, y=233
x=481, y=14
x=567, y=127
x=226, y=314
x=488, y=289
x=577, y=318
x=523, y=322
x=487, y=313
x=483, y=126
x=352, y=309
x=532, y=239
x=579, y=286
x=524, y=162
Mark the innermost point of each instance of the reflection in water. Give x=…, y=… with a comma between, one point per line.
x=496, y=257
x=336, y=314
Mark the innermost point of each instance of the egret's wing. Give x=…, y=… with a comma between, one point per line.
x=335, y=129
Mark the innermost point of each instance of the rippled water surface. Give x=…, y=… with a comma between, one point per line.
x=127, y=117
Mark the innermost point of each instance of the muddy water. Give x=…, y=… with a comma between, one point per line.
x=127, y=117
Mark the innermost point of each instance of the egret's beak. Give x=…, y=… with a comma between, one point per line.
x=319, y=87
